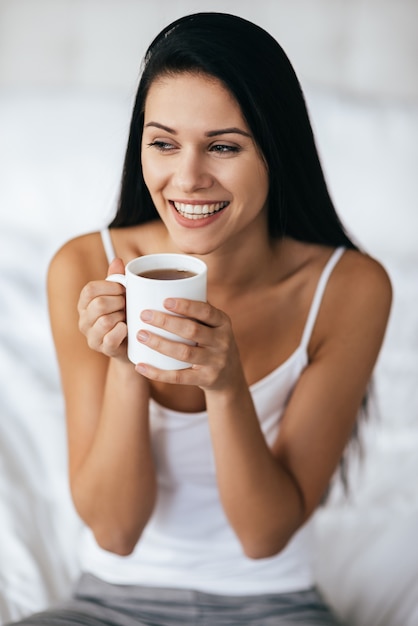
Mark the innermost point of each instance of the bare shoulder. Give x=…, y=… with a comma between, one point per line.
x=363, y=279
x=83, y=257
x=78, y=262
x=357, y=301
x=357, y=277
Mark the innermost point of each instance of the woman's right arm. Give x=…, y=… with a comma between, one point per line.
x=111, y=468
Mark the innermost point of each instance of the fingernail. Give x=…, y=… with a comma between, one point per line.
x=143, y=336
x=170, y=303
x=141, y=369
x=146, y=316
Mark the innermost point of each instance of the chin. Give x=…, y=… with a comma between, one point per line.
x=199, y=251
x=196, y=246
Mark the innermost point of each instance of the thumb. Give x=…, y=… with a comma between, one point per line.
x=117, y=266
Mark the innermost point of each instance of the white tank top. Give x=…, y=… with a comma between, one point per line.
x=188, y=542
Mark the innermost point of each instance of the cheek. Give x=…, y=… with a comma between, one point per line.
x=256, y=182
x=152, y=174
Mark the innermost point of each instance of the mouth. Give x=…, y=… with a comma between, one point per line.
x=198, y=211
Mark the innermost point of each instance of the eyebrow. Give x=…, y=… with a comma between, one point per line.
x=227, y=131
x=211, y=133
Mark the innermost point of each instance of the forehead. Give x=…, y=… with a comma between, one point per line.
x=191, y=97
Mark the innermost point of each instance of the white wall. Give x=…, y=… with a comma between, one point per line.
x=367, y=47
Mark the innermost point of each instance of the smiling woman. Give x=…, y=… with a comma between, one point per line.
x=198, y=486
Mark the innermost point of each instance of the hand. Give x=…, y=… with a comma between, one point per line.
x=102, y=318
x=214, y=356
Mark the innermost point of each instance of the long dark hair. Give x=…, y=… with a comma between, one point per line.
x=255, y=69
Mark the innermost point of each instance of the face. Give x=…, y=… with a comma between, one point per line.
x=203, y=170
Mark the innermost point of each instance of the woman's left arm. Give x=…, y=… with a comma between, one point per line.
x=269, y=494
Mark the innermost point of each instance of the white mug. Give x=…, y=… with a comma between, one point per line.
x=145, y=292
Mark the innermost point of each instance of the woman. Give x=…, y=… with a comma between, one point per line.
x=197, y=487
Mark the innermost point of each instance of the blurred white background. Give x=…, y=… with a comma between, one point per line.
x=68, y=73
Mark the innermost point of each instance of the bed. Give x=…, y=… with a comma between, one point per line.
x=61, y=149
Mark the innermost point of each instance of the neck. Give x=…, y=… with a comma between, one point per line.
x=245, y=262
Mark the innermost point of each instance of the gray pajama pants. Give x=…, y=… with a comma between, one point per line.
x=98, y=603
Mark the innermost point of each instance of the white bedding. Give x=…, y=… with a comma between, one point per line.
x=60, y=160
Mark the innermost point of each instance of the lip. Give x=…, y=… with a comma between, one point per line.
x=195, y=202
x=211, y=211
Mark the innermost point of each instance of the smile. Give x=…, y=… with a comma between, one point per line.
x=198, y=211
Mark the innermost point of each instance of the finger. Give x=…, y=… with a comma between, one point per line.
x=102, y=336
x=187, y=353
x=188, y=329
x=96, y=331
x=213, y=358
x=106, y=304
x=113, y=340
x=98, y=288
x=100, y=307
x=202, y=311
x=116, y=267
x=106, y=323
x=195, y=375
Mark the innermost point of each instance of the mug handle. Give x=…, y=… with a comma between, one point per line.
x=117, y=278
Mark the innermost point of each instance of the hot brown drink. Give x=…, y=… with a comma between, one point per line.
x=167, y=274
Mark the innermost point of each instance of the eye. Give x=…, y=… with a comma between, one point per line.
x=221, y=148
x=161, y=146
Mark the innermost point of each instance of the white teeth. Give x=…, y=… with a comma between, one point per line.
x=199, y=211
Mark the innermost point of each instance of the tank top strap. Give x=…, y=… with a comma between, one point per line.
x=319, y=293
x=107, y=244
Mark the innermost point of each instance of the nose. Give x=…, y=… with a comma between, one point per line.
x=192, y=172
